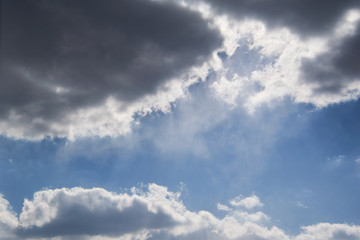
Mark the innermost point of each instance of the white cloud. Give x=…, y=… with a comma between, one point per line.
x=8, y=219
x=248, y=202
x=79, y=211
x=301, y=204
x=89, y=214
x=222, y=207
x=283, y=75
x=329, y=231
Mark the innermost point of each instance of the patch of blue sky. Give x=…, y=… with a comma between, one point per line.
x=280, y=153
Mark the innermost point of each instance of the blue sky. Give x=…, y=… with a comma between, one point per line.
x=192, y=120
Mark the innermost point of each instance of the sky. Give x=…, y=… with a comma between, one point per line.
x=180, y=120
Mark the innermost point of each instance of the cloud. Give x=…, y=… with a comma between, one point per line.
x=335, y=162
x=301, y=204
x=248, y=202
x=157, y=213
x=330, y=231
x=223, y=207
x=305, y=17
x=262, y=64
x=88, y=71
x=335, y=70
x=68, y=65
x=8, y=219
x=79, y=211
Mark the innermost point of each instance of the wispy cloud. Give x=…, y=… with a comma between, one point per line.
x=301, y=204
x=222, y=207
x=335, y=162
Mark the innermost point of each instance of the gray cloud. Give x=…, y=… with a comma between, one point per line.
x=304, y=16
x=92, y=212
x=75, y=219
x=60, y=56
x=89, y=214
x=333, y=70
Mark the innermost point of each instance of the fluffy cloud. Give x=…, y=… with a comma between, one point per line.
x=153, y=214
x=8, y=219
x=67, y=66
x=248, y=202
x=330, y=231
x=264, y=62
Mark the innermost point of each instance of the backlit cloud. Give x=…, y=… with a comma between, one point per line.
x=70, y=66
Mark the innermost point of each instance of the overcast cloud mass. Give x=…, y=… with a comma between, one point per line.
x=234, y=119
x=77, y=56
x=66, y=63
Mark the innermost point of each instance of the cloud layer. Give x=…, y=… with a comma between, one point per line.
x=153, y=214
x=73, y=70
x=58, y=58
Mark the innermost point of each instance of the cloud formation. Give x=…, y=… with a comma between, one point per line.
x=73, y=70
x=305, y=17
x=248, y=202
x=8, y=219
x=153, y=214
x=333, y=70
x=78, y=211
x=316, y=67
x=61, y=58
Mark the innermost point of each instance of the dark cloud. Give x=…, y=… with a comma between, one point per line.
x=87, y=51
x=333, y=70
x=304, y=16
x=75, y=219
x=92, y=212
x=341, y=234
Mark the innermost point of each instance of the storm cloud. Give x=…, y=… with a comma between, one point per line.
x=334, y=70
x=60, y=56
